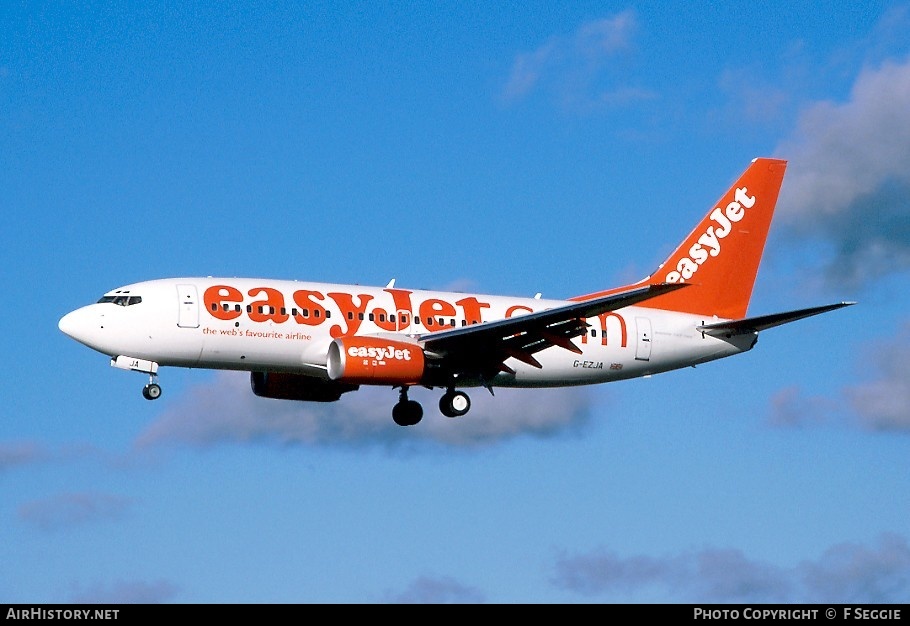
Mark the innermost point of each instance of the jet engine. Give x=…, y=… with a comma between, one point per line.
x=283, y=386
x=375, y=360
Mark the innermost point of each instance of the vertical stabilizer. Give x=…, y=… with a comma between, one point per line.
x=720, y=257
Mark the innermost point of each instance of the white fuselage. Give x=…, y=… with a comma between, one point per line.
x=287, y=326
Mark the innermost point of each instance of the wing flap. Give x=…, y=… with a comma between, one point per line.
x=550, y=320
x=482, y=349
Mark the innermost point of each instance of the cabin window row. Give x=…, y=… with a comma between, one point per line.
x=270, y=310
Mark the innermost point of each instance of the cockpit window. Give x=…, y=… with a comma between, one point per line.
x=121, y=300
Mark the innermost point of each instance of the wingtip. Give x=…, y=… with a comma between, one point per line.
x=669, y=286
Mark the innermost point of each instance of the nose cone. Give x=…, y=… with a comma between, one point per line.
x=82, y=325
x=69, y=324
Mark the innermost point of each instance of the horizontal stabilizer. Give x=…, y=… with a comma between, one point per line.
x=763, y=322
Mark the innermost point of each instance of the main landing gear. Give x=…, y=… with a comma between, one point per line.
x=454, y=403
x=406, y=412
x=409, y=412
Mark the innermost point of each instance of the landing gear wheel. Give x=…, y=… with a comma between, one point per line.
x=151, y=391
x=407, y=413
x=454, y=403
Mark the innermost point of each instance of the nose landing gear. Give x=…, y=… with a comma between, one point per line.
x=152, y=391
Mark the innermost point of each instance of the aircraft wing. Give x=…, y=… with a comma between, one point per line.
x=484, y=347
x=764, y=322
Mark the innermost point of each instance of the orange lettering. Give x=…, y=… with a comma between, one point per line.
x=401, y=300
x=216, y=298
x=603, y=317
x=351, y=314
x=305, y=300
x=518, y=307
x=268, y=309
x=472, y=307
x=432, y=307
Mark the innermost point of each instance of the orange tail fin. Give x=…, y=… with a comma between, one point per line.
x=720, y=258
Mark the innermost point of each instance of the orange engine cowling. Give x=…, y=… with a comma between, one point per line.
x=373, y=360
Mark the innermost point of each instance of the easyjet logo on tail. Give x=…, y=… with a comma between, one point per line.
x=708, y=244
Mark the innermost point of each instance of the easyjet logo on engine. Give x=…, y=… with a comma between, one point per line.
x=708, y=243
x=367, y=360
x=380, y=353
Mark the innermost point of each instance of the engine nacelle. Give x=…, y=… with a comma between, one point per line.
x=374, y=360
x=297, y=387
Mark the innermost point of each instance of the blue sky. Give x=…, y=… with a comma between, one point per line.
x=499, y=148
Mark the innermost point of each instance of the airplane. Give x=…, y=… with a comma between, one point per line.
x=315, y=342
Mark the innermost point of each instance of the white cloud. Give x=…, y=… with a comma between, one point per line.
x=884, y=403
x=848, y=182
x=844, y=573
x=436, y=590
x=20, y=453
x=134, y=592
x=790, y=408
x=575, y=66
x=70, y=509
x=226, y=411
x=880, y=404
x=849, y=572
